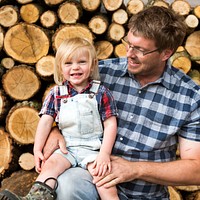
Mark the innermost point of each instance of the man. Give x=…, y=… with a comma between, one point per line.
x=159, y=108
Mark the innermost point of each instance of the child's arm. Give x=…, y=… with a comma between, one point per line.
x=102, y=163
x=42, y=132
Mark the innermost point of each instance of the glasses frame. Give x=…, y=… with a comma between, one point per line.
x=144, y=53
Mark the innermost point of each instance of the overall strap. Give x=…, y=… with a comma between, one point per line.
x=63, y=90
x=95, y=87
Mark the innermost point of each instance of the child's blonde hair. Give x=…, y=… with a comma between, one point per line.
x=71, y=47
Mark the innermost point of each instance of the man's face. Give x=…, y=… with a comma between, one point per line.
x=144, y=59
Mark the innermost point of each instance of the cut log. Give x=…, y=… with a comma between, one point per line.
x=181, y=60
x=49, y=19
x=53, y=2
x=9, y=16
x=24, y=1
x=21, y=82
x=7, y=63
x=89, y=5
x=174, y=193
x=120, y=50
x=2, y=70
x=5, y=105
x=20, y=182
x=134, y=6
x=115, y=32
x=189, y=188
x=192, y=45
x=197, y=196
x=70, y=12
x=68, y=31
x=98, y=24
x=104, y=49
x=45, y=67
x=162, y=3
x=192, y=22
x=1, y=37
x=112, y=5
x=196, y=11
x=26, y=43
x=26, y=161
x=5, y=151
x=21, y=123
x=120, y=16
x=31, y=12
x=181, y=7
x=195, y=75
x=46, y=92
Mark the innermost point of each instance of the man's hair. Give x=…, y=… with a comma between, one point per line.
x=160, y=24
x=74, y=47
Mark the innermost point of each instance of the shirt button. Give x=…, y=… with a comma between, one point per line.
x=131, y=116
x=121, y=138
x=139, y=91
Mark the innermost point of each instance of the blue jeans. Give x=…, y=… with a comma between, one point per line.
x=76, y=184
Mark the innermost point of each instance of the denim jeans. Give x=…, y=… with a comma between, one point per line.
x=76, y=184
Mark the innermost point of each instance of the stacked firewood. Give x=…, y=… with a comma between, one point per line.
x=30, y=33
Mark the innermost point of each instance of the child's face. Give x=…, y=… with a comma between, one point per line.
x=76, y=70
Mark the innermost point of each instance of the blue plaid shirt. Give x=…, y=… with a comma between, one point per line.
x=151, y=118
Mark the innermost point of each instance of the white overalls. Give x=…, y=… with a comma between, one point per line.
x=81, y=126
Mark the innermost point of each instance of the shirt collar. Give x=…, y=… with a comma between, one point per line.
x=72, y=90
x=166, y=78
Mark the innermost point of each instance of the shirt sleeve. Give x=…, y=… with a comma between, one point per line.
x=108, y=107
x=48, y=106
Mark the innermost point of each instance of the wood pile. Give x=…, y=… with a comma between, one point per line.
x=30, y=33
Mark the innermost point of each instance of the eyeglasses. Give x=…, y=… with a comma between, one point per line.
x=136, y=50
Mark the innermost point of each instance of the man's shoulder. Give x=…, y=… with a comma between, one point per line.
x=181, y=80
x=121, y=61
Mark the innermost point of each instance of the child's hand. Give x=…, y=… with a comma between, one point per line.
x=102, y=164
x=39, y=159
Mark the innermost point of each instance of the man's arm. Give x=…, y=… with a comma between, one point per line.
x=185, y=171
x=54, y=141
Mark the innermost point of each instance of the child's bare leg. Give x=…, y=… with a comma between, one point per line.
x=105, y=193
x=55, y=165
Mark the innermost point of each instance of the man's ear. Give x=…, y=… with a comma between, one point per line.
x=166, y=54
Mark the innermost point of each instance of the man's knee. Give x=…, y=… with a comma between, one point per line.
x=76, y=184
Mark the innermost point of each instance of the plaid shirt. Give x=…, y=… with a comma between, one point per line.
x=106, y=104
x=151, y=118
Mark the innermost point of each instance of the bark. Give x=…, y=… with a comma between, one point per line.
x=20, y=182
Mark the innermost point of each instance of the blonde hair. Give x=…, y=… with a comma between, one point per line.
x=71, y=47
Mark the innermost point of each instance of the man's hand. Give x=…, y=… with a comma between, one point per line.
x=122, y=171
x=54, y=141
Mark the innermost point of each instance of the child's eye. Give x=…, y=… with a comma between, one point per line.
x=82, y=62
x=68, y=63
